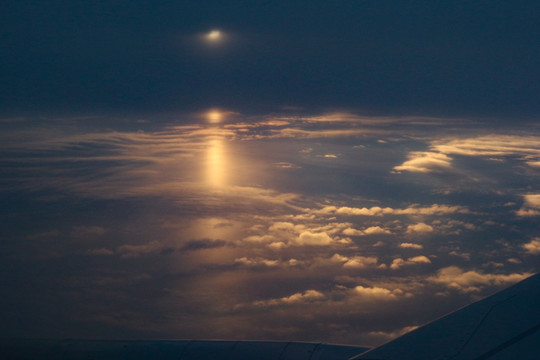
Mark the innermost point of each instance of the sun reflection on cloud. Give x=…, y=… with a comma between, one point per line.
x=216, y=166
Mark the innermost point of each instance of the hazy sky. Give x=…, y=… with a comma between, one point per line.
x=300, y=170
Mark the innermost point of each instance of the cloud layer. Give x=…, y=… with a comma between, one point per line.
x=274, y=226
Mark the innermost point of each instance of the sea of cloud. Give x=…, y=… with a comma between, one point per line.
x=335, y=227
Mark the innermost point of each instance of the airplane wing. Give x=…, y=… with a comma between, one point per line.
x=503, y=326
x=29, y=349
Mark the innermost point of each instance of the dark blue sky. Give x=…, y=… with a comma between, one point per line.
x=475, y=58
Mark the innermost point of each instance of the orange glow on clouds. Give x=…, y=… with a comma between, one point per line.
x=214, y=116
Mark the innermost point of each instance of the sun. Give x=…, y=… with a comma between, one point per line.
x=214, y=35
x=214, y=116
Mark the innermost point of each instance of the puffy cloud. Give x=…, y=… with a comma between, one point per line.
x=360, y=262
x=351, y=262
x=399, y=262
x=373, y=211
x=372, y=230
x=434, y=209
x=376, y=293
x=531, y=205
x=339, y=258
x=277, y=245
x=471, y=281
x=353, y=232
x=419, y=228
x=307, y=296
x=533, y=246
x=425, y=162
x=331, y=228
x=407, y=245
x=256, y=262
x=282, y=234
x=527, y=212
x=282, y=226
x=315, y=239
x=532, y=200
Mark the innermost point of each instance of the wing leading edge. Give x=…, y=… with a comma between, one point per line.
x=503, y=326
x=25, y=349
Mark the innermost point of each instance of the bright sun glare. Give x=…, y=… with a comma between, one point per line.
x=214, y=35
x=214, y=116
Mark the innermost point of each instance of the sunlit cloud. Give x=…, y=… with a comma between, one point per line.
x=347, y=117
x=407, y=245
x=531, y=205
x=533, y=247
x=307, y=296
x=377, y=293
x=491, y=145
x=355, y=262
x=353, y=232
x=256, y=261
x=426, y=162
x=419, y=228
x=434, y=209
x=416, y=260
x=314, y=239
x=472, y=281
x=372, y=230
x=375, y=230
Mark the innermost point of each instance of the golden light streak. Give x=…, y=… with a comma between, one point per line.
x=215, y=165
